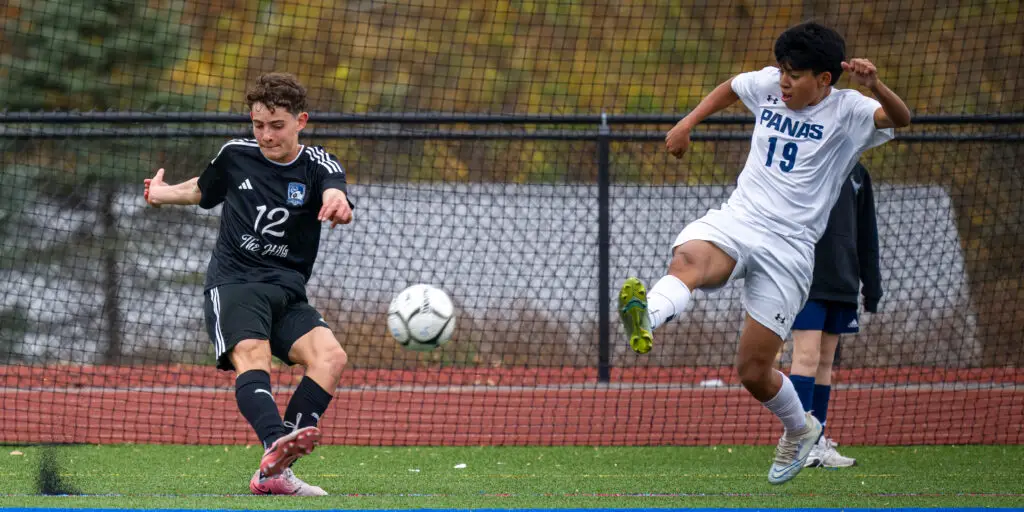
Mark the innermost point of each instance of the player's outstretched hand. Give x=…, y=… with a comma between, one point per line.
x=336, y=208
x=153, y=183
x=677, y=141
x=862, y=71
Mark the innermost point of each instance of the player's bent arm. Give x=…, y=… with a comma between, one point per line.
x=719, y=99
x=336, y=207
x=894, y=112
x=678, y=138
x=185, y=193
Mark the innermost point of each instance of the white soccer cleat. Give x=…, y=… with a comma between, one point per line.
x=285, y=483
x=793, y=450
x=825, y=455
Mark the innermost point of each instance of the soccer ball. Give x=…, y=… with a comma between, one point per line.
x=421, y=317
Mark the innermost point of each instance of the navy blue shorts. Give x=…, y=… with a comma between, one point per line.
x=827, y=316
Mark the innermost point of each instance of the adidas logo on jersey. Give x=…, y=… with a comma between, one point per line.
x=245, y=185
x=853, y=324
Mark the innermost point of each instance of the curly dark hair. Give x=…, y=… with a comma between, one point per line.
x=278, y=90
x=811, y=46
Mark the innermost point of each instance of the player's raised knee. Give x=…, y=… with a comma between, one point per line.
x=684, y=258
x=688, y=261
x=699, y=263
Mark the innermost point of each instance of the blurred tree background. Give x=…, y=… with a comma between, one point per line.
x=585, y=57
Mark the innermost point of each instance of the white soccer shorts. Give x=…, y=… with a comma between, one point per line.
x=776, y=271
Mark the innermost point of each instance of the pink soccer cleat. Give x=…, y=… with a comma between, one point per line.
x=286, y=484
x=288, y=449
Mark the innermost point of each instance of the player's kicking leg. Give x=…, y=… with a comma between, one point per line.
x=755, y=365
x=695, y=264
x=247, y=309
x=251, y=359
x=315, y=348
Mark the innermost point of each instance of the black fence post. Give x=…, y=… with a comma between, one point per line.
x=603, y=252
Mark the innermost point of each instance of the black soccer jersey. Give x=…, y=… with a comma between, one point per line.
x=269, y=231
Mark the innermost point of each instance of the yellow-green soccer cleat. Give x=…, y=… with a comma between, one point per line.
x=633, y=312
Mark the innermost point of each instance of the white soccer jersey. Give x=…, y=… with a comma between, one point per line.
x=799, y=159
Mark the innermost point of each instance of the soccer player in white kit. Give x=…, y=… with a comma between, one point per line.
x=807, y=137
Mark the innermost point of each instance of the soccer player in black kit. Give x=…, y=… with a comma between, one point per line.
x=275, y=193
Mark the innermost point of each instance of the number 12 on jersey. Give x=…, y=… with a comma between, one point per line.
x=275, y=217
x=788, y=154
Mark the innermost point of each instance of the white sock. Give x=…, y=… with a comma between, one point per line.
x=786, y=405
x=666, y=300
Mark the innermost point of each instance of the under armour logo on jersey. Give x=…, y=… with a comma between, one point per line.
x=773, y=99
x=853, y=324
x=245, y=185
x=780, y=318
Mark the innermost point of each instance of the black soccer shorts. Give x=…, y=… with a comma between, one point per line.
x=261, y=311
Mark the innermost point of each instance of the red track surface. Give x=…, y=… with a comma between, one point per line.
x=82, y=404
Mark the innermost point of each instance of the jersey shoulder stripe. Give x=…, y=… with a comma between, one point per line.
x=236, y=142
x=320, y=156
x=317, y=154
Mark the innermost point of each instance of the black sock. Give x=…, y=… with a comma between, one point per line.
x=252, y=391
x=307, y=405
